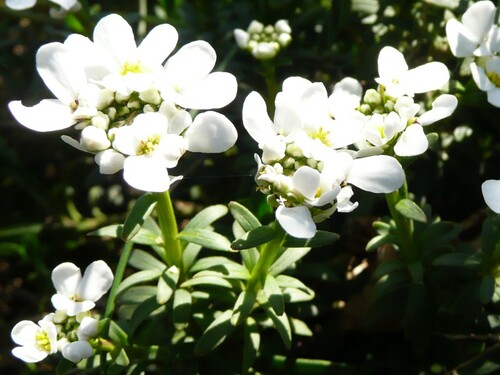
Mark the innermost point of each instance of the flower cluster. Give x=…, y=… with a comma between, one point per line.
x=63, y=6
x=307, y=170
x=478, y=38
x=130, y=106
x=71, y=330
x=264, y=42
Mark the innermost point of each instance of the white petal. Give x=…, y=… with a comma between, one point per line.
x=77, y=350
x=96, y=281
x=23, y=333
x=60, y=71
x=114, y=35
x=190, y=64
x=287, y=117
x=377, y=174
x=146, y=173
x=95, y=61
x=66, y=277
x=88, y=328
x=461, y=41
x=50, y=329
x=65, y=4
x=74, y=308
x=29, y=354
x=480, y=77
x=427, y=77
x=255, y=118
x=214, y=91
x=306, y=181
x=412, y=142
x=20, y=4
x=391, y=63
x=478, y=19
x=442, y=107
x=296, y=221
x=494, y=97
x=73, y=143
x=48, y=115
x=158, y=44
x=109, y=161
x=241, y=37
x=491, y=194
x=61, y=302
x=210, y=132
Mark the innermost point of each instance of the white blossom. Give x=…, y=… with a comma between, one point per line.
x=491, y=194
x=487, y=79
x=77, y=294
x=36, y=341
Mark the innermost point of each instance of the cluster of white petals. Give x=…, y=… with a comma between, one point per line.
x=63, y=6
x=264, y=42
x=478, y=38
x=304, y=169
x=71, y=330
x=131, y=101
x=491, y=194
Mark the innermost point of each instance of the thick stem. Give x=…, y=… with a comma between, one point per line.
x=267, y=257
x=272, y=86
x=405, y=225
x=169, y=230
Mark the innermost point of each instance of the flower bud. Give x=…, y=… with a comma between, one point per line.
x=94, y=139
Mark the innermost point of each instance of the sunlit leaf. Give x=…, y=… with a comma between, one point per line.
x=243, y=306
x=181, y=306
x=254, y=238
x=321, y=238
x=206, y=217
x=166, y=284
x=145, y=261
x=138, y=278
x=215, y=334
x=411, y=210
x=206, y=238
x=289, y=257
x=140, y=211
x=272, y=291
x=251, y=344
x=243, y=216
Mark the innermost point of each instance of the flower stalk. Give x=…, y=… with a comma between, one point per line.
x=169, y=229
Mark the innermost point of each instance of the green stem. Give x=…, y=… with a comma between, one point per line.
x=267, y=257
x=272, y=86
x=405, y=225
x=169, y=230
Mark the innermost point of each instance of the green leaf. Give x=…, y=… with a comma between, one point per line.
x=141, y=210
x=181, y=306
x=456, y=259
x=249, y=256
x=389, y=266
x=138, y=278
x=215, y=334
x=391, y=283
x=144, y=236
x=138, y=294
x=120, y=357
x=166, y=285
x=486, y=289
x=243, y=216
x=289, y=257
x=281, y=324
x=207, y=281
x=300, y=328
x=210, y=262
x=255, y=237
x=285, y=281
x=273, y=293
x=144, y=311
x=206, y=217
x=251, y=344
x=321, y=238
x=243, y=306
x=206, y=238
x=117, y=334
x=411, y=210
x=380, y=240
x=145, y=261
x=294, y=295
x=189, y=254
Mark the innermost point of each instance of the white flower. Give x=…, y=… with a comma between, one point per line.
x=399, y=80
x=470, y=37
x=26, y=4
x=491, y=194
x=76, y=294
x=36, y=341
x=488, y=79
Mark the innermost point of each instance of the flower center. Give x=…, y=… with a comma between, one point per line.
x=42, y=340
x=132, y=68
x=149, y=145
x=494, y=77
x=321, y=135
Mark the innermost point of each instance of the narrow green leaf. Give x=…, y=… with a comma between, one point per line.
x=206, y=238
x=190, y=254
x=380, y=240
x=486, y=289
x=210, y=262
x=120, y=357
x=389, y=266
x=243, y=216
x=321, y=238
x=181, y=306
x=251, y=344
x=285, y=281
x=207, y=281
x=281, y=324
x=145, y=261
x=294, y=295
x=289, y=257
x=138, y=278
x=144, y=236
x=456, y=259
x=254, y=238
x=141, y=210
x=300, y=328
x=166, y=285
x=273, y=293
x=206, y=217
x=411, y=210
x=243, y=306
x=117, y=334
x=137, y=294
x=249, y=256
x=215, y=334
